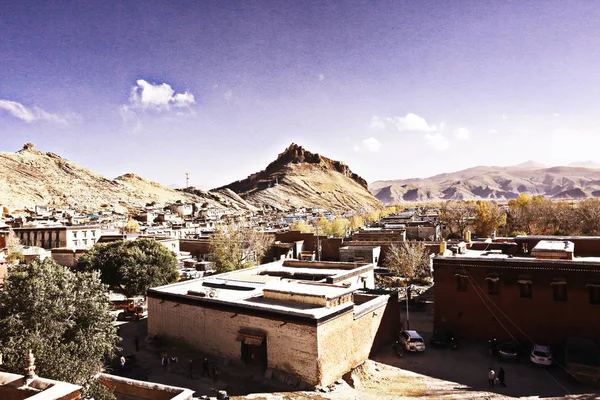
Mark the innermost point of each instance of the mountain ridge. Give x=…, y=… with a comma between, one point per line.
x=299, y=178
x=491, y=182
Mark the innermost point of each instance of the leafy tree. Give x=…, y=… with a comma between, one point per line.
x=132, y=226
x=456, y=214
x=356, y=222
x=324, y=226
x=488, y=217
x=372, y=216
x=302, y=226
x=63, y=318
x=339, y=227
x=237, y=247
x=131, y=266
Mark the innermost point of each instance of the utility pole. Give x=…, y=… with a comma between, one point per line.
x=187, y=180
x=318, y=245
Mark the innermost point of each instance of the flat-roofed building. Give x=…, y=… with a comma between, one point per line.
x=543, y=294
x=305, y=321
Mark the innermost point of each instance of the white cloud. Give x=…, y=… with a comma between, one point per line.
x=461, y=133
x=147, y=95
x=493, y=131
x=438, y=141
x=377, y=123
x=321, y=77
x=556, y=114
x=370, y=144
x=411, y=123
x=30, y=115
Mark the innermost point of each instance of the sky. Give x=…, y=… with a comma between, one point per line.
x=396, y=89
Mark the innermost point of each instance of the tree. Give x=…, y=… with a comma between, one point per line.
x=14, y=254
x=132, y=226
x=339, y=227
x=409, y=260
x=488, y=217
x=131, y=266
x=456, y=214
x=236, y=247
x=356, y=222
x=520, y=212
x=302, y=226
x=587, y=216
x=63, y=318
x=324, y=226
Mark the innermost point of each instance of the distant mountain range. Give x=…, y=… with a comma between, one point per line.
x=30, y=177
x=299, y=178
x=576, y=181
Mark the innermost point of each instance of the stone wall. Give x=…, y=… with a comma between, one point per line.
x=291, y=347
x=345, y=342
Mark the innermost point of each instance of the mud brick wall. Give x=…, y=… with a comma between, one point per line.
x=291, y=347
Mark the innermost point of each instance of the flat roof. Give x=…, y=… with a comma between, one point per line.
x=555, y=246
x=244, y=288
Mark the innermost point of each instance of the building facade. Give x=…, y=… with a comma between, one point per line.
x=485, y=294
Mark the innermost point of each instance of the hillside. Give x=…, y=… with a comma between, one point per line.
x=299, y=178
x=30, y=177
x=498, y=183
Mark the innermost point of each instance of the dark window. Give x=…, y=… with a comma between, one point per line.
x=525, y=289
x=461, y=283
x=559, y=292
x=594, y=294
x=493, y=285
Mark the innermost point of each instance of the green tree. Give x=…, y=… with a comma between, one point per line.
x=324, y=226
x=63, y=318
x=236, y=247
x=302, y=226
x=488, y=217
x=131, y=266
x=356, y=222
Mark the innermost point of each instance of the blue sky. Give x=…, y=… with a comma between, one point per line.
x=218, y=89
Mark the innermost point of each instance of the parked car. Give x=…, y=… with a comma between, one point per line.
x=443, y=338
x=510, y=350
x=541, y=355
x=412, y=341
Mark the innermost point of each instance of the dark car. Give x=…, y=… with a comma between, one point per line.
x=443, y=338
x=510, y=350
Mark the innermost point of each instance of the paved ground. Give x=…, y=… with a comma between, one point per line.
x=145, y=364
x=469, y=366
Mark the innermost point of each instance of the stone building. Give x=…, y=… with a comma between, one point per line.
x=546, y=297
x=303, y=321
x=73, y=237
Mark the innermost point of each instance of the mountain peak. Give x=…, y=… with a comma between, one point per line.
x=296, y=154
x=529, y=164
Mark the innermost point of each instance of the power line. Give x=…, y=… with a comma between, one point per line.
x=476, y=288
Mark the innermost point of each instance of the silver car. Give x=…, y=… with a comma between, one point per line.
x=412, y=341
x=541, y=355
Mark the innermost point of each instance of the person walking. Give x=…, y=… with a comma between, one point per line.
x=205, y=371
x=491, y=377
x=191, y=368
x=501, y=377
x=215, y=373
x=122, y=362
x=164, y=361
x=136, y=341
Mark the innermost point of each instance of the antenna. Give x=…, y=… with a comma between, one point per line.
x=187, y=180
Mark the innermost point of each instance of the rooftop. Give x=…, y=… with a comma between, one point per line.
x=287, y=278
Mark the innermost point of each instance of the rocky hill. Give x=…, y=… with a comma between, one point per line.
x=498, y=183
x=30, y=177
x=299, y=178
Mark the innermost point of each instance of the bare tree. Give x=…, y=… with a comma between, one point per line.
x=236, y=247
x=14, y=254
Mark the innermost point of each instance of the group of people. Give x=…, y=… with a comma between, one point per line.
x=492, y=377
x=205, y=369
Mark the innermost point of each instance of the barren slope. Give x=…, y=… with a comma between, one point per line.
x=299, y=178
x=30, y=178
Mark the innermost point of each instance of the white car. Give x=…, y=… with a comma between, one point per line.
x=412, y=341
x=541, y=355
